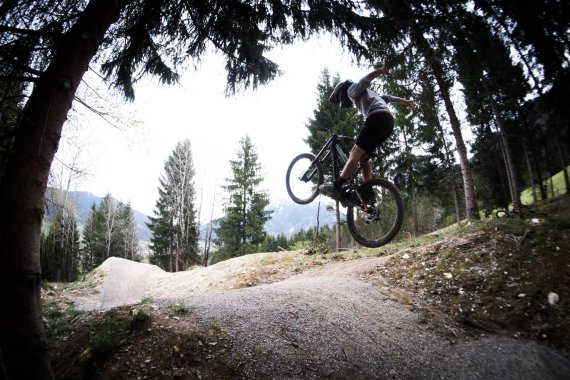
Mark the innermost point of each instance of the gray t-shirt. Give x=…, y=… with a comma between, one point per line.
x=367, y=101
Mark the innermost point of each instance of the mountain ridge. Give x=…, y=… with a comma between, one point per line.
x=288, y=218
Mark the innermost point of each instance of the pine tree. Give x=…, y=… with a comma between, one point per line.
x=108, y=212
x=60, y=248
x=128, y=240
x=162, y=230
x=494, y=88
x=241, y=230
x=110, y=230
x=175, y=231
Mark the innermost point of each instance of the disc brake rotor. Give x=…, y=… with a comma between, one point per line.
x=370, y=214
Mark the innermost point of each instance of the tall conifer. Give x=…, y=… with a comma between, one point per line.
x=175, y=230
x=241, y=230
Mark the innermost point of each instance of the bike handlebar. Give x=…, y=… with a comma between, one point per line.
x=330, y=133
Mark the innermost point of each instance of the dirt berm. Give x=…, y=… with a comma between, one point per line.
x=319, y=322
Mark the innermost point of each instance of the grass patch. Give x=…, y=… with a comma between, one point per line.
x=146, y=300
x=179, y=308
x=140, y=317
x=556, y=187
x=58, y=320
x=107, y=335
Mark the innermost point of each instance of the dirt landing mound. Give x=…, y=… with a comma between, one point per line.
x=323, y=325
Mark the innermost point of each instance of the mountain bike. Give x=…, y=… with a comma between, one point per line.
x=374, y=209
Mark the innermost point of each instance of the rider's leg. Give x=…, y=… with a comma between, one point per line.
x=335, y=190
x=377, y=128
x=366, y=168
x=356, y=155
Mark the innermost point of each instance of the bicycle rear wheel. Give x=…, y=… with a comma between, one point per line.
x=379, y=222
x=304, y=176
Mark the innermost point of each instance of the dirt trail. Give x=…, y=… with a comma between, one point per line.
x=324, y=322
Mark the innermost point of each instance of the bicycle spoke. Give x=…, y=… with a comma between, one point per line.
x=303, y=178
x=380, y=221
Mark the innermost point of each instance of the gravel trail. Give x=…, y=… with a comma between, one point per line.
x=328, y=325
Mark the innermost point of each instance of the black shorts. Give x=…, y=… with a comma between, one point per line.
x=377, y=128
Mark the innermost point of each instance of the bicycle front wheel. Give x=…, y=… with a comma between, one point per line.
x=380, y=221
x=304, y=176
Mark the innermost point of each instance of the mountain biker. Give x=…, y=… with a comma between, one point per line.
x=378, y=125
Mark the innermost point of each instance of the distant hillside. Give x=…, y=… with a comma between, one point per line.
x=287, y=218
x=84, y=200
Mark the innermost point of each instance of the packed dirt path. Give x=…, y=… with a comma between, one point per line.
x=323, y=322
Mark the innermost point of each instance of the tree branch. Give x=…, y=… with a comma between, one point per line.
x=9, y=78
x=20, y=65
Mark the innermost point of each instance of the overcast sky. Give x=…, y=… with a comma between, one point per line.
x=128, y=163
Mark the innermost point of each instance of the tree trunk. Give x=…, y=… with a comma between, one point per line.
x=455, y=201
x=337, y=229
x=471, y=208
x=208, y=239
x=548, y=174
x=412, y=184
x=530, y=173
x=535, y=157
x=507, y=155
x=538, y=171
x=22, y=189
x=562, y=157
x=318, y=219
x=451, y=165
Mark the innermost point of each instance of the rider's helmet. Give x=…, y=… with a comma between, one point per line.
x=339, y=94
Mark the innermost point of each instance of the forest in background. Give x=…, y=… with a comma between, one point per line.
x=475, y=76
x=502, y=64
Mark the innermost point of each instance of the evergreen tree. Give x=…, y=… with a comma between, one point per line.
x=494, y=87
x=241, y=230
x=175, y=230
x=60, y=243
x=60, y=248
x=537, y=31
x=110, y=225
x=274, y=243
x=162, y=228
x=92, y=251
x=110, y=230
x=422, y=46
x=128, y=240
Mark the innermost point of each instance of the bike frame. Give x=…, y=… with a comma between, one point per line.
x=339, y=158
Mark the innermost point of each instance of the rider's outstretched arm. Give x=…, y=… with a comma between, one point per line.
x=379, y=71
x=384, y=71
x=407, y=102
x=376, y=73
